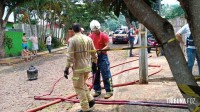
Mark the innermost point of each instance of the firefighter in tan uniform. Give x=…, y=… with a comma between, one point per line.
x=81, y=63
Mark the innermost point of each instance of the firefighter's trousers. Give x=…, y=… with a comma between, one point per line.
x=104, y=70
x=82, y=91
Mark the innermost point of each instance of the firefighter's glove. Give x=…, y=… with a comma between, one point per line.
x=66, y=72
x=94, y=67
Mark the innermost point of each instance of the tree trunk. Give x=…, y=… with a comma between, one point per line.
x=191, y=8
x=2, y=30
x=15, y=16
x=163, y=32
x=31, y=26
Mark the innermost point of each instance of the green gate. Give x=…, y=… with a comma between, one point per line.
x=16, y=43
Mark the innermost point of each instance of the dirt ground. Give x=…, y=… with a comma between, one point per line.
x=17, y=93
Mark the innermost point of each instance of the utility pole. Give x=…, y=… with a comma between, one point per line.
x=143, y=60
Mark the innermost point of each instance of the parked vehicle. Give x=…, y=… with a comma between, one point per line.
x=120, y=36
x=151, y=42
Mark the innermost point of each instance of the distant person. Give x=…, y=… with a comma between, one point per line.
x=131, y=38
x=136, y=36
x=191, y=49
x=26, y=54
x=24, y=41
x=34, y=41
x=48, y=42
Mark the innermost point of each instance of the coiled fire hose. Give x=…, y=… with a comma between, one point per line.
x=71, y=98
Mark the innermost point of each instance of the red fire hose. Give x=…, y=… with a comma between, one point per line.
x=142, y=103
x=110, y=102
x=49, y=104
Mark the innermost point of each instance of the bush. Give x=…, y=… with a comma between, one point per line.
x=13, y=54
x=42, y=46
x=56, y=42
x=8, y=42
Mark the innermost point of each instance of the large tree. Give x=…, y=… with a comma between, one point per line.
x=10, y=5
x=164, y=33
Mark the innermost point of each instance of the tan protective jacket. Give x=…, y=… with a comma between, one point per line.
x=81, y=61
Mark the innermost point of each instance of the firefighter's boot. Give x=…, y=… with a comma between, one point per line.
x=91, y=103
x=108, y=95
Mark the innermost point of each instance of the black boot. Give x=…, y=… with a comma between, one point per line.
x=91, y=103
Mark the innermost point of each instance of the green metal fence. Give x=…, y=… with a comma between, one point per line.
x=16, y=43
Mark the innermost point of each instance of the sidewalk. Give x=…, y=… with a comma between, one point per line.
x=18, y=59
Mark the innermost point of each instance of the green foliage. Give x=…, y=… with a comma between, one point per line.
x=8, y=42
x=119, y=6
x=71, y=12
x=41, y=45
x=13, y=54
x=84, y=13
x=172, y=11
x=34, y=22
x=56, y=42
x=113, y=24
x=122, y=20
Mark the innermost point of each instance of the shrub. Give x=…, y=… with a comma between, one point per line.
x=42, y=46
x=56, y=42
x=8, y=42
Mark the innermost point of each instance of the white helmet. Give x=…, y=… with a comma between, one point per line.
x=95, y=25
x=82, y=29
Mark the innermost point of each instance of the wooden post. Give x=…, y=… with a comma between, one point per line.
x=143, y=67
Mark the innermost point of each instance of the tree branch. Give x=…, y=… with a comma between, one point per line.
x=10, y=10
